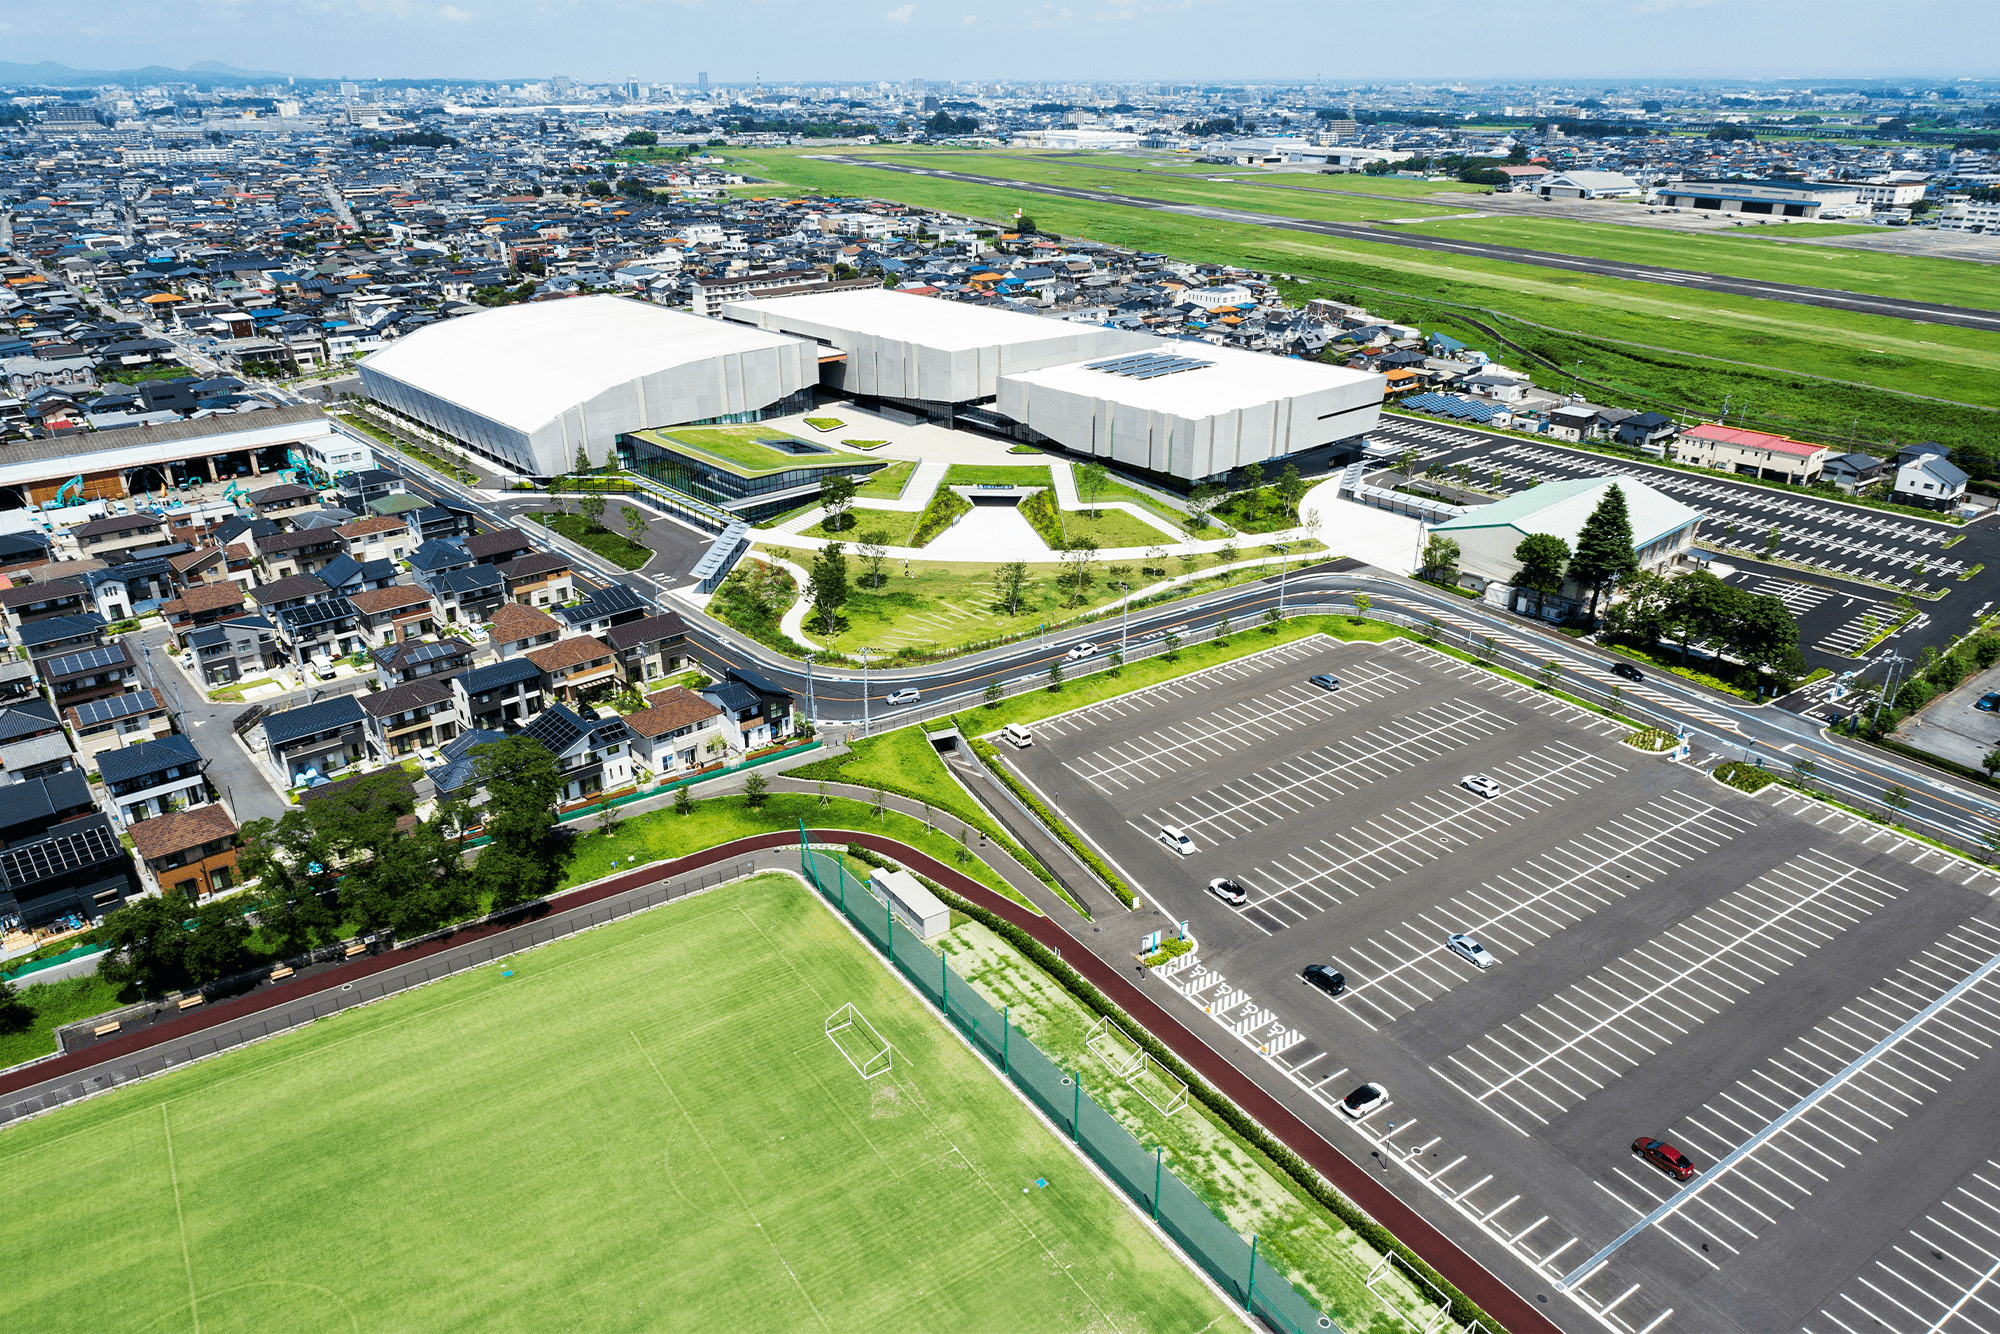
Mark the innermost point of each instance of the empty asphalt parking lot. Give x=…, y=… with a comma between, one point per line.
x=1802, y=1002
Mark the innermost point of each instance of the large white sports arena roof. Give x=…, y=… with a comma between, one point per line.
x=920, y=348
x=1191, y=408
x=528, y=383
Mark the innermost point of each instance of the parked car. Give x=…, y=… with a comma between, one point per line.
x=907, y=695
x=1989, y=703
x=1480, y=784
x=1626, y=670
x=1327, y=979
x=1324, y=680
x=187, y=662
x=322, y=669
x=1078, y=652
x=1177, y=839
x=1465, y=947
x=1365, y=1101
x=477, y=634
x=1228, y=891
x=1665, y=1157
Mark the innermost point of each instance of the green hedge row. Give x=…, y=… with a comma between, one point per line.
x=945, y=506
x=1463, y=1309
x=1040, y=512
x=990, y=758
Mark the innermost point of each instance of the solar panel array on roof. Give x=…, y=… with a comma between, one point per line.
x=557, y=730
x=323, y=612
x=88, y=661
x=1452, y=405
x=114, y=707
x=51, y=857
x=1147, y=365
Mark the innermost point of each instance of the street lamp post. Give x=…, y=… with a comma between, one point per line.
x=1284, y=559
x=812, y=704
x=864, y=690
x=1125, y=625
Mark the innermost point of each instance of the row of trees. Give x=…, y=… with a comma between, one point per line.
x=354, y=860
x=1755, y=630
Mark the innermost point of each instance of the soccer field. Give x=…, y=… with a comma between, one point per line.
x=645, y=1127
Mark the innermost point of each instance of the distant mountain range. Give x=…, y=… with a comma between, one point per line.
x=48, y=74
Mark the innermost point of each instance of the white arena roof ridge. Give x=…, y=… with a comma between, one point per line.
x=947, y=326
x=1220, y=379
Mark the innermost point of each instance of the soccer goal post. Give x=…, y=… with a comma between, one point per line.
x=856, y=1039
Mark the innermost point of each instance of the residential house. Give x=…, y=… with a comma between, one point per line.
x=498, y=547
x=317, y=738
x=428, y=523
x=115, y=720
x=377, y=538
x=18, y=680
x=761, y=710
x=92, y=673
x=301, y=552
x=678, y=730
x=392, y=615
x=648, y=649
x=413, y=716
x=59, y=855
x=417, y=660
x=281, y=594
x=454, y=775
x=1646, y=428
x=283, y=500
x=1775, y=458
x=323, y=629
x=575, y=667
x=110, y=537
x=241, y=648
x=58, y=635
x=500, y=696
x=20, y=551
x=191, y=853
x=1573, y=422
x=539, y=579
x=1854, y=472
x=614, y=604
x=517, y=629
x=357, y=489
x=1926, y=476
x=32, y=743
x=153, y=778
x=216, y=564
x=28, y=603
x=202, y=605
x=594, y=756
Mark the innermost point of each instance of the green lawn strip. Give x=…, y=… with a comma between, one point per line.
x=1716, y=674
x=1862, y=366
x=1083, y=852
x=1043, y=515
x=1463, y=1309
x=736, y=448
x=899, y=525
x=54, y=1004
x=612, y=546
x=695, y=1089
x=664, y=834
x=888, y=484
x=904, y=763
x=1328, y=1260
x=1112, y=529
x=787, y=516
x=982, y=474
x=1265, y=514
x=1442, y=647
x=1113, y=489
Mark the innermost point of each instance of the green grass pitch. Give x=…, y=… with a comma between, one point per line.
x=645, y=1128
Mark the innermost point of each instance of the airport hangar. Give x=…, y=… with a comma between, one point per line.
x=527, y=385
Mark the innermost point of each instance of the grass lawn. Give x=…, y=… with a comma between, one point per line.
x=888, y=484
x=1265, y=514
x=898, y=524
x=596, y=537
x=1113, y=489
x=644, y=1127
x=1001, y=474
x=737, y=448
x=1113, y=528
x=55, y=1004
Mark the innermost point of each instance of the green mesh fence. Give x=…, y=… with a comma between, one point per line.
x=1234, y=1263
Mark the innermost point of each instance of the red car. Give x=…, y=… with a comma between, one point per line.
x=1665, y=1157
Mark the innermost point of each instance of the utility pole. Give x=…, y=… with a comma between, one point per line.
x=812, y=704
x=1895, y=663
x=1125, y=625
x=864, y=690
x=1284, y=559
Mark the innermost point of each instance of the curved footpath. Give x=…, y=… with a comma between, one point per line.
x=275, y=1007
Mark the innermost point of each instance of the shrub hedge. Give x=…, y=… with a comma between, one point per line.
x=946, y=505
x=1040, y=512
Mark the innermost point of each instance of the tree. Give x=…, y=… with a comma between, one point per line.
x=556, y=485
x=1200, y=501
x=1440, y=558
x=1115, y=664
x=1090, y=480
x=873, y=549
x=1897, y=800
x=16, y=1015
x=836, y=496
x=1361, y=604
x=163, y=944
x=521, y=782
x=1172, y=646
x=582, y=467
x=1291, y=487
x=635, y=524
x=1542, y=557
x=591, y=505
x=1702, y=607
x=1991, y=764
x=1604, y=553
x=1643, y=614
x=640, y=139
x=1228, y=553
x=1763, y=632
x=1253, y=483
x=993, y=694
x=756, y=789
x=1272, y=620
x=420, y=881
x=829, y=585
x=1056, y=674
x=1222, y=630
x=683, y=800
x=1077, y=558
x=291, y=863
x=1008, y=582
x=1802, y=773
x=1406, y=463
x=1771, y=540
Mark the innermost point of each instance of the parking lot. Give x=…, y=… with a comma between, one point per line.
x=1800, y=1002
x=1834, y=539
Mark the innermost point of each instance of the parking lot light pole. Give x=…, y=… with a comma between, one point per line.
x=864, y=690
x=1125, y=626
x=1284, y=559
x=812, y=705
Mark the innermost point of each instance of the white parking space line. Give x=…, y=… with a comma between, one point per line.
x=1546, y=1061
x=1942, y=1271
x=1192, y=685
x=1842, y=1089
x=1301, y=782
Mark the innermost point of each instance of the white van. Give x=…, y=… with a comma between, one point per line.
x=1177, y=839
x=1016, y=735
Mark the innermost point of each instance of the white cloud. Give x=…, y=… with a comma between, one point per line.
x=972, y=18
x=900, y=14
x=455, y=14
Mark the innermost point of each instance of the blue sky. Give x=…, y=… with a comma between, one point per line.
x=668, y=41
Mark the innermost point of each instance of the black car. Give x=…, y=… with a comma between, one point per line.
x=1326, y=979
x=1626, y=670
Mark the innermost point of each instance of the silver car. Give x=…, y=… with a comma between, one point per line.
x=1468, y=949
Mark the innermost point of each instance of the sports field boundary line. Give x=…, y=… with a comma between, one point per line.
x=1056, y=1132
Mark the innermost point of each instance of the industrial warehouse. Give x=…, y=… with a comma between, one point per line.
x=528, y=386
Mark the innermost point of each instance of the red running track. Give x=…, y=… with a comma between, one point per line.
x=1514, y=1311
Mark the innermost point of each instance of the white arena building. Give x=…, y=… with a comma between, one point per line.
x=920, y=350
x=1192, y=409
x=525, y=385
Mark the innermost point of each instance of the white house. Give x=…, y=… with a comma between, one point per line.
x=1589, y=185
x=1924, y=476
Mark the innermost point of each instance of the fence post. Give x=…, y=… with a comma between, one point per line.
x=889, y=923
x=1159, y=1169
x=944, y=984
x=1076, y=1109
x=1006, y=1027
x=1251, y=1292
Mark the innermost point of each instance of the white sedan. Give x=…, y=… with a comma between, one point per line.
x=1078, y=652
x=1468, y=949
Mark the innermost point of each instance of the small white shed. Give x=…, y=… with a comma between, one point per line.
x=919, y=909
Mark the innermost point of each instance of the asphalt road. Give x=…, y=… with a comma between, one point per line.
x=1822, y=297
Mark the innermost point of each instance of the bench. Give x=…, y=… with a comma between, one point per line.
x=102, y=1029
x=280, y=974
x=189, y=1002
x=355, y=949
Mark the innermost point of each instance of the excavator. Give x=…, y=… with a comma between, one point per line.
x=70, y=494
